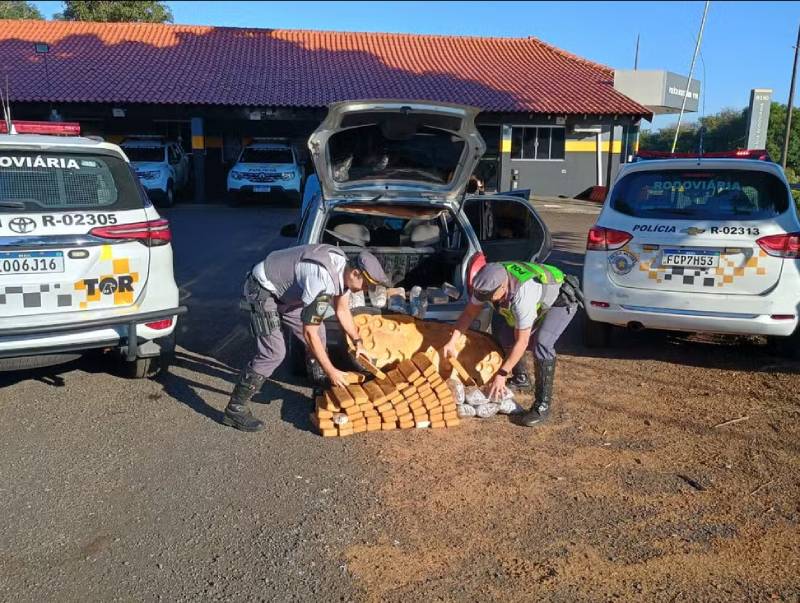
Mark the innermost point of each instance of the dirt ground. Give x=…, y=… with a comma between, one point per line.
x=668, y=471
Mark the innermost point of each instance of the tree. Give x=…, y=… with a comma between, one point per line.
x=149, y=11
x=777, y=125
x=18, y=9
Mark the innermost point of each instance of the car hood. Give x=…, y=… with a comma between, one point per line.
x=396, y=149
x=263, y=167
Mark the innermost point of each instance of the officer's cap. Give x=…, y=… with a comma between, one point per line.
x=488, y=280
x=373, y=272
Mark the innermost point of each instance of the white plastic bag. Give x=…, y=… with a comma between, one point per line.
x=484, y=411
x=340, y=419
x=457, y=389
x=465, y=410
x=510, y=407
x=474, y=396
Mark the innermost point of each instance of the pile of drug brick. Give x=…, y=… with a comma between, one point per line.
x=411, y=394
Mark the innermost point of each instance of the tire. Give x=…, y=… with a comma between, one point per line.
x=152, y=366
x=169, y=196
x=596, y=334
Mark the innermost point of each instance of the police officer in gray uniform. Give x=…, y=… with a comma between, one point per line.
x=529, y=299
x=294, y=288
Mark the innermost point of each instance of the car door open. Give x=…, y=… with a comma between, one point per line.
x=508, y=228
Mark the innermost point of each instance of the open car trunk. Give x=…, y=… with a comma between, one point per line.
x=423, y=266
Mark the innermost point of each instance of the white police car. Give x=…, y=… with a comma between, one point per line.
x=697, y=245
x=161, y=165
x=85, y=259
x=263, y=168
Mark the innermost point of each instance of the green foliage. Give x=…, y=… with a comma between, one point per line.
x=727, y=131
x=796, y=196
x=123, y=11
x=18, y=9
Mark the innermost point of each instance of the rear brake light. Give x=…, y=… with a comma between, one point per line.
x=159, y=324
x=57, y=128
x=153, y=233
x=476, y=262
x=760, y=154
x=781, y=245
x=782, y=317
x=604, y=239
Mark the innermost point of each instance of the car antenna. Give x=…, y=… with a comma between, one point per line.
x=6, y=102
x=700, y=144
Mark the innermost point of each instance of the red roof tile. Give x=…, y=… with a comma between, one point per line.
x=179, y=64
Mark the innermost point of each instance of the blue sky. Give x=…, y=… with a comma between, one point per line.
x=746, y=44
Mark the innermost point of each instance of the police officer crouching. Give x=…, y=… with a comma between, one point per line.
x=529, y=299
x=294, y=288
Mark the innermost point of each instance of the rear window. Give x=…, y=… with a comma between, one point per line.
x=34, y=182
x=142, y=154
x=701, y=194
x=267, y=156
x=371, y=152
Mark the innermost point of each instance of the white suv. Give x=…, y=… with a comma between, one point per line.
x=85, y=259
x=162, y=167
x=266, y=167
x=698, y=245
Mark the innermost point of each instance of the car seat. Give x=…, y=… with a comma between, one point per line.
x=425, y=235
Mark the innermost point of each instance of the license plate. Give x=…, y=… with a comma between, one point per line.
x=681, y=258
x=262, y=189
x=31, y=262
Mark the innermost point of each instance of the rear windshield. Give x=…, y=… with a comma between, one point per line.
x=267, y=156
x=371, y=152
x=141, y=154
x=701, y=194
x=34, y=182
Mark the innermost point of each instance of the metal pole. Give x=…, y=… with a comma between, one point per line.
x=691, y=72
x=636, y=56
x=786, y=134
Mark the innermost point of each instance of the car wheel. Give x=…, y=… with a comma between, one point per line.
x=596, y=334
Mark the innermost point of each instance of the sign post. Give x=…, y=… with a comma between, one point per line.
x=758, y=118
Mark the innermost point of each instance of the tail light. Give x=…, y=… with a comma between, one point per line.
x=605, y=239
x=781, y=245
x=476, y=262
x=159, y=324
x=600, y=304
x=153, y=233
x=782, y=317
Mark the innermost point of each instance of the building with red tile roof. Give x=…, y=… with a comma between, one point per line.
x=119, y=78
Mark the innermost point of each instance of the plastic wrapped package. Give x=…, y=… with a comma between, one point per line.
x=357, y=300
x=418, y=302
x=484, y=411
x=377, y=296
x=451, y=291
x=474, y=396
x=465, y=410
x=397, y=300
x=340, y=419
x=457, y=389
x=510, y=407
x=436, y=295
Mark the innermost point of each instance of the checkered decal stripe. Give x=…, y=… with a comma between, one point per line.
x=725, y=274
x=31, y=295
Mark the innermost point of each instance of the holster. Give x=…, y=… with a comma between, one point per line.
x=262, y=306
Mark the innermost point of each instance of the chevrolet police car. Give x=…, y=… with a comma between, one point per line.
x=161, y=166
x=263, y=168
x=85, y=259
x=698, y=245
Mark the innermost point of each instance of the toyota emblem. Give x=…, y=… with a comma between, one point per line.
x=22, y=225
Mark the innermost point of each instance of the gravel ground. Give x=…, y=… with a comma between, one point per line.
x=112, y=489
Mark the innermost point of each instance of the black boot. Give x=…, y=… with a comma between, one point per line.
x=316, y=375
x=543, y=393
x=237, y=414
x=519, y=380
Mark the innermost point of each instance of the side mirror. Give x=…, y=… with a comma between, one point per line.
x=290, y=230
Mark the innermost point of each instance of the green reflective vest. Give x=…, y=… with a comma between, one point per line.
x=544, y=274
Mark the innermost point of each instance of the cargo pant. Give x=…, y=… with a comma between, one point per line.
x=544, y=336
x=283, y=321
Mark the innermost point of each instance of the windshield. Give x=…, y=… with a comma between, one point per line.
x=369, y=152
x=36, y=182
x=701, y=194
x=250, y=155
x=142, y=154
